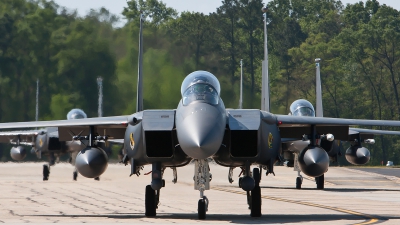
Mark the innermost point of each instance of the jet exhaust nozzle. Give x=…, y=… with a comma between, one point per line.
x=314, y=161
x=357, y=155
x=18, y=153
x=91, y=162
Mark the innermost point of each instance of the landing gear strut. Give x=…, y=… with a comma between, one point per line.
x=46, y=172
x=320, y=181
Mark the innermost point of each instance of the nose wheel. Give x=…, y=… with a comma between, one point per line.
x=202, y=208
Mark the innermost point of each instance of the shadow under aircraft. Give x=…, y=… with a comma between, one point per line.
x=199, y=129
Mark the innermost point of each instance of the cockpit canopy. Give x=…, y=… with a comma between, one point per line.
x=200, y=86
x=76, y=114
x=302, y=107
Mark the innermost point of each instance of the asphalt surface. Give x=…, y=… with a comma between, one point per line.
x=350, y=197
x=389, y=171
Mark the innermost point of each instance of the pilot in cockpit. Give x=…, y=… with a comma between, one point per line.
x=302, y=107
x=200, y=89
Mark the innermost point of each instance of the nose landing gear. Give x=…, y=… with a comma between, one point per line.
x=202, y=182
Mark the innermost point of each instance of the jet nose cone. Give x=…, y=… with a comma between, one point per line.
x=314, y=161
x=200, y=133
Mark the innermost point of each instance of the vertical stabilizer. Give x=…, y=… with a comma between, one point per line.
x=318, y=91
x=265, y=79
x=37, y=100
x=241, y=85
x=139, y=99
x=100, y=100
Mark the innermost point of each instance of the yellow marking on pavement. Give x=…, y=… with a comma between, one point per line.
x=371, y=219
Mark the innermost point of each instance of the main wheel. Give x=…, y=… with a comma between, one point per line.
x=97, y=178
x=298, y=183
x=256, y=176
x=201, y=209
x=255, y=210
x=150, y=201
x=75, y=175
x=320, y=182
x=46, y=172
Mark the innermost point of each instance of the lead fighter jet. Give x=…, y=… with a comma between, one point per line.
x=199, y=129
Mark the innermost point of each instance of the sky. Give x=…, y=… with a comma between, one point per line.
x=204, y=6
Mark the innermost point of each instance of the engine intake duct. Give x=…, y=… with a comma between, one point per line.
x=54, y=144
x=159, y=144
x=244, y=143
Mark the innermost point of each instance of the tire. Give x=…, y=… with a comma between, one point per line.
x=298, y=183
x=320, y=182
x=255, y=210
x=75, y=175
x=256, y=176
x=46, y=172
x=150, y=202
x=201, y=209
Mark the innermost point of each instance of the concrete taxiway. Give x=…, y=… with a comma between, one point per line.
x=350, y=197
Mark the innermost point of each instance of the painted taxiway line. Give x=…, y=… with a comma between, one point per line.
x=369, y=218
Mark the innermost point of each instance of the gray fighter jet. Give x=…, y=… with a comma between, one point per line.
x=356, y=154
x=44, y=142
x=201, y=128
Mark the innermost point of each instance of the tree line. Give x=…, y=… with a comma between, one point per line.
x=358, y=45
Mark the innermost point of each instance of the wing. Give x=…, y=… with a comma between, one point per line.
x=296, y=126
x=26, y=137
x=114, y=127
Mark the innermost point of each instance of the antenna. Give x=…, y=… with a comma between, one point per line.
x=37, y=100
x=265, y=78
x=139, y=100
x=318, y=91
x=241, y=85
x=100, y=105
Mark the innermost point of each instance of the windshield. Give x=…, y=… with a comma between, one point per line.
x=200, y=92
x=302, y=107
x=303, y=111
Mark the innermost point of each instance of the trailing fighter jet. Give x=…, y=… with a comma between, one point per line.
x=44, y=142
x=200, y=128
x=356, y=154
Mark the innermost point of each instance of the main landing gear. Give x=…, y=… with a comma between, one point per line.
x=152, y=196
x=320, y=182
x=255, y=195
x=46, y=172
x=251, y=184
x=299, y=180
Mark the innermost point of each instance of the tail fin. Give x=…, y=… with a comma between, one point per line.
x=139, y=99
x=318, y=91
x=265, y=78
